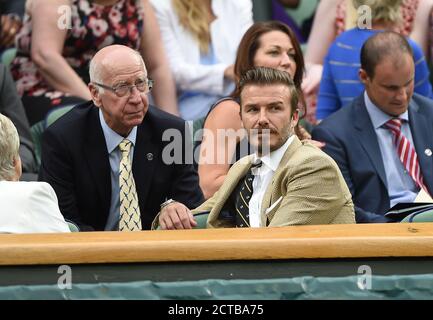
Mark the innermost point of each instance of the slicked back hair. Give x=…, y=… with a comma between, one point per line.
x=269, y=76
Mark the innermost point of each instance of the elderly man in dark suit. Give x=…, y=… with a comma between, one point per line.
x=106, y=159
x=383, y=140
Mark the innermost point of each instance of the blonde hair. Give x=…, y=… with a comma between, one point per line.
x=9, y=148
x=193, y=17
x=385, y=10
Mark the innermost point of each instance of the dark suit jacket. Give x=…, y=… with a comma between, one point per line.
x=12, y=107
x=75, y=162
x=352, y=142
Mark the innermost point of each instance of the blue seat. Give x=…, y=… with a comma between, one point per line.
x=426, y=216
x=72, y=226
x=201, y=219
x=38, y=128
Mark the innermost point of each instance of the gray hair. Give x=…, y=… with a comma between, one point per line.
x=9, y=148
x=270, y=76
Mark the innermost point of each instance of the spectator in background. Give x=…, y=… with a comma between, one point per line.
x=51, y=67
x=269, y=44
x=201, y=38
x=25, y=207
x=340, y=82
x=11, y=106
x=335, y=16
x=383, y=140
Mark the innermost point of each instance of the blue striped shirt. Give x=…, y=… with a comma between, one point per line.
x=340, y=82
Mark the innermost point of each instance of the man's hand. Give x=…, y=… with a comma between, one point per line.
x=176, y=216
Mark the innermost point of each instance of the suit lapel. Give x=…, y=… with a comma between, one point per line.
x=146, y=156
x=367, y=137
x=422, y=134
x=96, y=154
x=236, y=173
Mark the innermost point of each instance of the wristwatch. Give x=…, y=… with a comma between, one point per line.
x=166, y=203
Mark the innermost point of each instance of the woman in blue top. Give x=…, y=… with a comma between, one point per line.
x=340, y=82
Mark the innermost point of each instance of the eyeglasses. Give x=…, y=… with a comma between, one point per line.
x=142, y=85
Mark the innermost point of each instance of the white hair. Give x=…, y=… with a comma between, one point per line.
x=9, y=148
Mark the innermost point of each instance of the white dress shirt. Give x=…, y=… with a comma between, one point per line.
x=262, y=177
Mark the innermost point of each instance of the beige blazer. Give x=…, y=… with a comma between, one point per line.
x=307, y=188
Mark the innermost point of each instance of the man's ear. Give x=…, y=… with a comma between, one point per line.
x=94, y=92
x=363, y=76
x=295, y=118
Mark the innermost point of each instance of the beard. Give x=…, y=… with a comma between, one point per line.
x=266, y=140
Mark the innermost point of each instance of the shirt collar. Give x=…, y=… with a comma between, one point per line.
x=112, y=138
x=273, y=159
x=377, y=116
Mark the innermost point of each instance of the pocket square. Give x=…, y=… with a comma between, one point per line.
x=273, y=205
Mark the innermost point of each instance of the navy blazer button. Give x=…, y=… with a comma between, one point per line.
x=428, y=152
x=149, y=156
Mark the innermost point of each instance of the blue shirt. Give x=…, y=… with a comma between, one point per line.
x=401, y=186
x=340, y=82
x=113, y=139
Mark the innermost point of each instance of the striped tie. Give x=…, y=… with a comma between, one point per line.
x=243, y=199
x=406, y=152
x=130, y=219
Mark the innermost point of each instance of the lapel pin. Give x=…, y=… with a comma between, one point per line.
x=149, y=156
x=428, y=152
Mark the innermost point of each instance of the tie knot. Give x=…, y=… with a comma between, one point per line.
x=125, y=146
x=257, y=164
x=393, y=124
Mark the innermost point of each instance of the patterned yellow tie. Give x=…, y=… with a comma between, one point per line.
x=130, y=219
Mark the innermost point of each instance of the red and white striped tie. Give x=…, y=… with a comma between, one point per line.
x=406, y=152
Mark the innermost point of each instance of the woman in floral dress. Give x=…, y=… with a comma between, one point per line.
x=59, y=38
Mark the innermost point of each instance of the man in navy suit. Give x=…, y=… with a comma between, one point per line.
x=82, y=157
x=374, y=156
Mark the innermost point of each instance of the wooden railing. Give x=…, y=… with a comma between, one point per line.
x=310, y=242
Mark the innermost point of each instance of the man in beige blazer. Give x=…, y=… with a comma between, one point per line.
x=290, y=182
